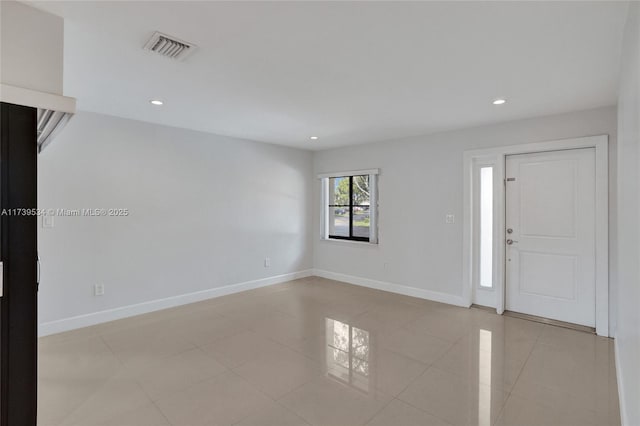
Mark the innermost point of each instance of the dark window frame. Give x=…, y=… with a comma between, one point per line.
x=350, y=206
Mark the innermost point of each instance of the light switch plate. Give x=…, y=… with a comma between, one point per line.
x=450, y=219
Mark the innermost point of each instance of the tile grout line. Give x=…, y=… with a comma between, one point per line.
x=395, y=397
x=143, y=390
x=538, y=342
x=422, y=410
x=137, y=383
x=432, y=365
x=256, y=388
x=368, y=420
x=515, y=382
x=427, y=367
x=162, y=413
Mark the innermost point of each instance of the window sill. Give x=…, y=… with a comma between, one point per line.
x=349, y=242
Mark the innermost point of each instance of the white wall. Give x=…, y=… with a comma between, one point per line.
x=31, y=48
x=628, y=331
x=205, y=212
x=421, y=181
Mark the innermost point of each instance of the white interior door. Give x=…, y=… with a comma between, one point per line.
x=550, y=238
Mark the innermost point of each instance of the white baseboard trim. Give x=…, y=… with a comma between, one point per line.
x=94, y=318
x=436, y=296
x=619, y=379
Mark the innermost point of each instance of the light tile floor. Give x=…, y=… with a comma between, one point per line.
x=320, y=352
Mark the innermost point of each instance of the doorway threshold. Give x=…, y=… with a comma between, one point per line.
x=548, y=321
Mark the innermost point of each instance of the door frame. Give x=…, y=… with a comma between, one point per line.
x=496, y=157
x=18, y=250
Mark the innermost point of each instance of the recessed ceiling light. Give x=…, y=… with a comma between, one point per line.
x=314, y=138
x=157, y=102
x=500, y=101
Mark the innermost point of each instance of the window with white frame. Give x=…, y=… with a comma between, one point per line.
x=349, y=206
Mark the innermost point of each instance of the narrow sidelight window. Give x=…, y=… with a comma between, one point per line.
x=486, y=227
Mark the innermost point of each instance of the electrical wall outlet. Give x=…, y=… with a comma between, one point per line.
x=267, y=262
x=98, y=289
x=450, y=219
x=47, y=221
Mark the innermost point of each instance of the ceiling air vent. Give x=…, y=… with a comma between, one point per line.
x=169, y=46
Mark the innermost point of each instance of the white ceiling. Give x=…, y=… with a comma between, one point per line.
x=348, y=72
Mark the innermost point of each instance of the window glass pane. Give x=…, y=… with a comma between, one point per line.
x=486, y=227
x=361, y=190
x=339, y=191
x=361, y=201
x=361, y=220
x=339, y=221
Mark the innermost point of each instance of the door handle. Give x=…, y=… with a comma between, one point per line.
x=510, y=242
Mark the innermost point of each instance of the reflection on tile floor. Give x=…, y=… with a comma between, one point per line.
x=319, y=352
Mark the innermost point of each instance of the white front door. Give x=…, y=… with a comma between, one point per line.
x=550, y=235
